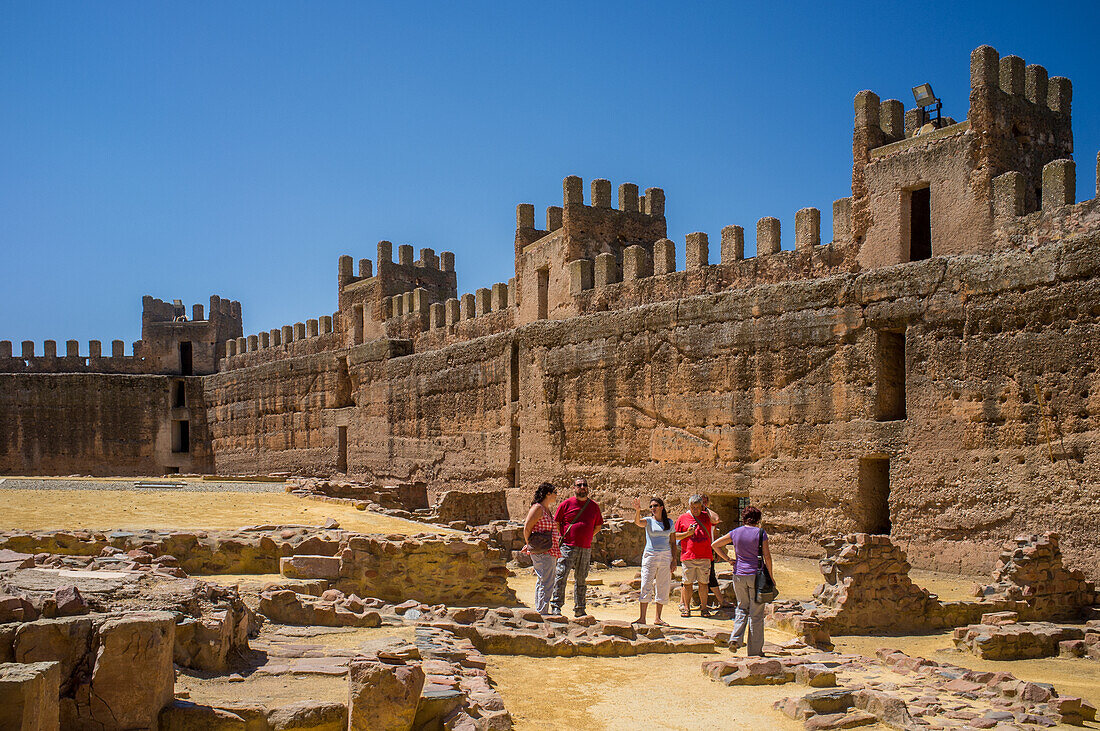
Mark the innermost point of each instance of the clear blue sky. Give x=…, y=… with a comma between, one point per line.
x=238, y=148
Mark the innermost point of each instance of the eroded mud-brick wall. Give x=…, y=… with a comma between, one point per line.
x=899, y=400
x=90, y=423
x=278, y=416
x=441, y=417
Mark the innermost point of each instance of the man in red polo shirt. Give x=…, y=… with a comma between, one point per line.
x=579, y=519
x=693, y=532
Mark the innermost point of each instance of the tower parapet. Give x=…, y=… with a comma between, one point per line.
x=578, y=231
x=933, y=181
x=364, y=299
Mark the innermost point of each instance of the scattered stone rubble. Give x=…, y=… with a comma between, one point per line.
x=901, y=692
x=1000, y=636
x=87, y=610
x=505, y=631
x=867, y=590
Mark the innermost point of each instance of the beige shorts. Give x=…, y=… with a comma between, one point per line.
x=696, y=571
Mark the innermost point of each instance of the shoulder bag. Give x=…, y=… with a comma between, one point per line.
x=541, y=541
x=765, y=586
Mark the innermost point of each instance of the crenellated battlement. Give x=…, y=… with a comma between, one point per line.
x=364, y=299
x=645, y=276
x=933, y=182
x=28, y=360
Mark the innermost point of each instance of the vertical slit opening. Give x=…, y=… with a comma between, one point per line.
x=920, y=224
x=342, y=449
x=185, y=358
x=890, y=376
x=513, y=373
x=544, y=292
x=872, y=510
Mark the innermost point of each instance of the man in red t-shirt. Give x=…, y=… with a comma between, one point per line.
x=693, y=532
x=579, y=519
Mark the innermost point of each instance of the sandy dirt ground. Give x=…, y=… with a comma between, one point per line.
x=133, y=509
x=670, y=691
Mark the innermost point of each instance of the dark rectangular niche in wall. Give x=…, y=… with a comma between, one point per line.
x=889, y=376
x=872, y=509
x=544, y=292
x=186, y=368
x=729, y=509
x=179, y=395
x=513, y=372
x=342, y=449
x=920, y=224
x=181, y=436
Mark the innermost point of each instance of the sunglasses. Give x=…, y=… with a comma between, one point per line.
x=581, y=484
x=654, y=505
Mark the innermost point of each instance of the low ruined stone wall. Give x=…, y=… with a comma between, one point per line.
x=472, y=508
x=1030, y=570
x=867, y=590
x=426, y=567
x=400, y=496
x=430, y=569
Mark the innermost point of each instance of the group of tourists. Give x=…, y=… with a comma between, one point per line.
x=559, y=541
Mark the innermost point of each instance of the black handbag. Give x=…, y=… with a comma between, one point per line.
x=541, y=541
x=765, y=586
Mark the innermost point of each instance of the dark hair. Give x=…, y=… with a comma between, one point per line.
x=665, y=522
x=750, y=515
x=542, y=491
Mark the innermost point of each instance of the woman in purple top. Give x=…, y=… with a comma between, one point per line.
x=746, y=542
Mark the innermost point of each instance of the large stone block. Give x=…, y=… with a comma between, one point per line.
x=382, y=696
x=29, y=696
x=132, y=678
x=64, y=641
x=310, y=567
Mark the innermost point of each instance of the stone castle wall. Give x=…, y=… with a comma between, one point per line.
x=60, y=424
x=951, y=401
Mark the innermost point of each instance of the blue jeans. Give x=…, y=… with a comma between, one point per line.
x=544, y=565
x=576, y=559
x=748, y=613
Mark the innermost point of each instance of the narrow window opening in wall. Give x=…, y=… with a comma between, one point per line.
x=181, y=437
x=513, y=372
x=185, y=358
x=179, y=395
x=889, y=376
x=342, y=449
x=544, y=292
x=872, y=510
x=513, y=458
x=920, y=224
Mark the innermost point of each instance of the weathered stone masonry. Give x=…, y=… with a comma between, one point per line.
x=930, y=372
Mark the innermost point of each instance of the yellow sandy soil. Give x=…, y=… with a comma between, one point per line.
x=133, y=509
x=651, y=691
x=670, y=691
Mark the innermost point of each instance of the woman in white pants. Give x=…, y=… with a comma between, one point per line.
x=657, y=558
x=542, y=538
